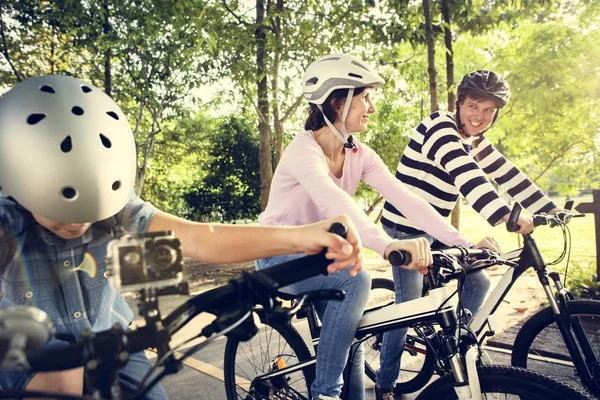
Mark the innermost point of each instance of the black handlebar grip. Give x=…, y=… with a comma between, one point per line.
x=511, y=224
x=339, y=228
x=399, y=257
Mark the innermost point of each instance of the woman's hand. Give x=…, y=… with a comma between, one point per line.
x=346, y=252
x=419, y=250
x=488, y=243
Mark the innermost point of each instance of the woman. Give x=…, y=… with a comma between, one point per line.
x=317, y=177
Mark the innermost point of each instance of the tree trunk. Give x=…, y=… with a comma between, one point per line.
x=278, y=123
x=107, y=53
x=430, y=56
x=264, y=129
x=148, y=147
x=455, y=215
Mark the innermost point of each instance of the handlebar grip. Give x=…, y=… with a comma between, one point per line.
x=399, y=257
x=327, y=294
x=339, y=228
x=306, y=267
x=511, y=224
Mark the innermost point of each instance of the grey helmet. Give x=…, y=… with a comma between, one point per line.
x=67, y=152
x=337, y=71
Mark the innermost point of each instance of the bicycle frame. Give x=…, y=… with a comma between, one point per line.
x=527, y=257
x=435, y=308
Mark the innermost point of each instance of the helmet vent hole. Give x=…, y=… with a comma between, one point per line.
x=85, y=89
x=69, y=193
x=312, y=81
x=116, y=185
x=113, y=115
x=66, y=145
x=77, y=110
x=360, y=65
x=47, y=89
x=105, y=141
x=35, y=118
x=352, y=74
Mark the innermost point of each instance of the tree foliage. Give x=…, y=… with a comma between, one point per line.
x=230, y=189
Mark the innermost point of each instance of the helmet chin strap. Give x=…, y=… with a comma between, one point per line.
x=342, y=136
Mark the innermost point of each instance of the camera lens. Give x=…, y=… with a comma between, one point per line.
x=163, y=257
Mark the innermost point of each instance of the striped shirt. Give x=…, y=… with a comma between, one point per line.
x=437, y=163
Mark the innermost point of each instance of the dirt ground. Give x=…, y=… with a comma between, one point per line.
x=524, y=298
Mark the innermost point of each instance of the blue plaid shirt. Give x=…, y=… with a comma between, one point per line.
x=53, y=274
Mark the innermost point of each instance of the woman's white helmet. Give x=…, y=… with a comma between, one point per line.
x=67, y=152
x=337, y=71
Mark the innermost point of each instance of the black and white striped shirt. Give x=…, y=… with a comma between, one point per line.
x=438, y=162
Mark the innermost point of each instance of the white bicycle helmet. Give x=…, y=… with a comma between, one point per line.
x=337, y=71
x=67, y=152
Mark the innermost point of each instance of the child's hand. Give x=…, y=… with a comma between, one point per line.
x=345, y=252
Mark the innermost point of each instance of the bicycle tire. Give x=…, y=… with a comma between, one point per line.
x=539, y=341
x=278, y=342
x=506, y=380
x=417, y=363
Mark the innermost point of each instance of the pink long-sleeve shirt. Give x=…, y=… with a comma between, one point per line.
x=304, y=191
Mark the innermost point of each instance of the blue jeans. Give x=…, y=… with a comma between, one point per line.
x=130, y=376
x=408, y=286
x=339, y=322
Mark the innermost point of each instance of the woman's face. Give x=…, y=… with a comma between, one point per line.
x=476, y=115
x=360, y=110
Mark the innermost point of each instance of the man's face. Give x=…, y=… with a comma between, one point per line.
x=61, y=229
x=476, y=115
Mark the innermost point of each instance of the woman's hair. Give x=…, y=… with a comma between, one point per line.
x=315, y=118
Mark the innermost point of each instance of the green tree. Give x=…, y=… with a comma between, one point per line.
x=230, y=190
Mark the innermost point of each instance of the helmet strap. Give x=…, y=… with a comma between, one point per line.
x=342, y=136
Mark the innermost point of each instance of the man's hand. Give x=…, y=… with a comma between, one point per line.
x=524, y=222
x=488, y=243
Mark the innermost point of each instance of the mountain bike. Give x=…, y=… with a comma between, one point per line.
x=565, y=334
x=24, y=329
x=277, y=364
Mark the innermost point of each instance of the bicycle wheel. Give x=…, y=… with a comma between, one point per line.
x=539, y=344
x=272, y=348
x=504, y=382
x=416, y=365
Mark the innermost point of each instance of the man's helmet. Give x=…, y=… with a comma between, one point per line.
x=66, y=150
x=487, y=83
x=337, y=71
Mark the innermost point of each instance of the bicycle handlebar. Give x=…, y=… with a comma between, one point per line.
x=401, y=257
x=116, y=341
x=561, y=217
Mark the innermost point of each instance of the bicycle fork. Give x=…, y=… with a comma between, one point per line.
x=464, y=370
x=570, y=329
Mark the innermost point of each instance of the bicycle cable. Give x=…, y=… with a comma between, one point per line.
x=143, y=390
